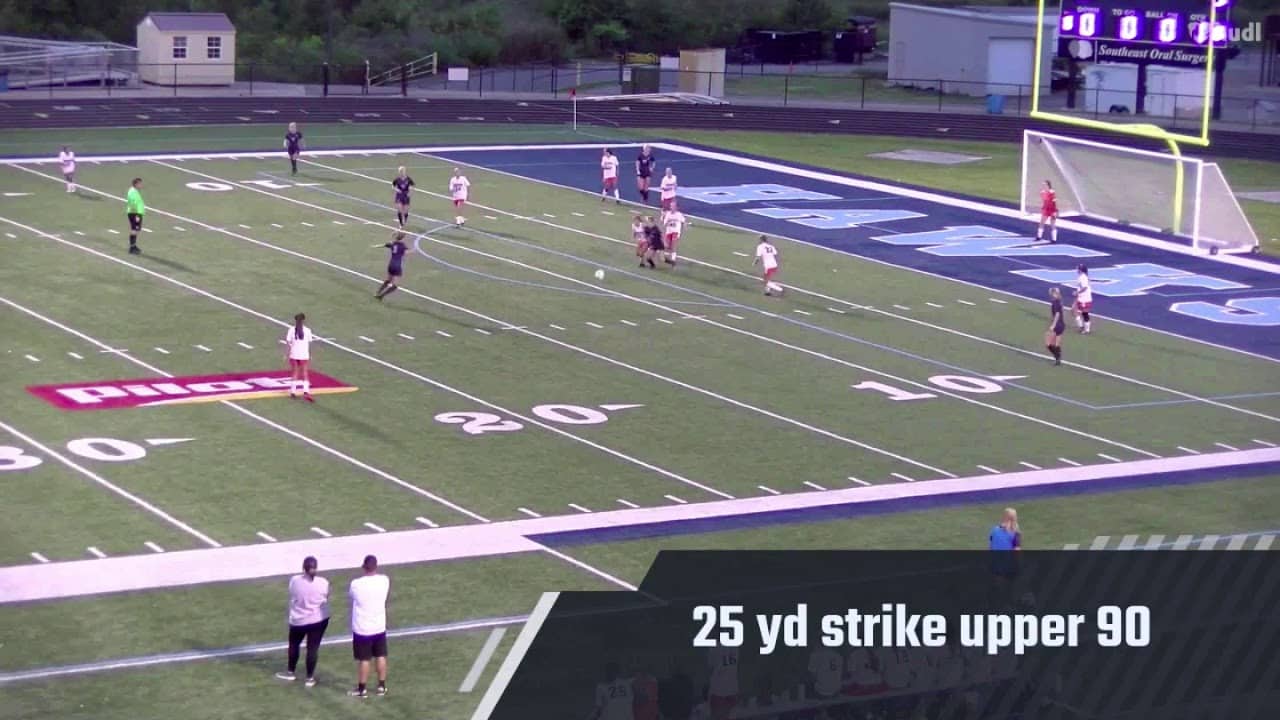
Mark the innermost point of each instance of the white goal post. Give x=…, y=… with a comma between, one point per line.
x=1162, y=192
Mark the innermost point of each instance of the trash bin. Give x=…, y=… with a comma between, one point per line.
x=995, y=104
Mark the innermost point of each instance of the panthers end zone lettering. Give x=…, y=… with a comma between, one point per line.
x=116, y=394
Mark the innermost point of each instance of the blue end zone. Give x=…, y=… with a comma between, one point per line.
x=1225, y=301
x=886, y=507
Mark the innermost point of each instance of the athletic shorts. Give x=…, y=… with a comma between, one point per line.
x=368, y=647
x=402, y=199
x=1084, y=307
x=135, y=222
x=770, y=272
x=655, y=243
x=1059, y=329
x=673, y=238
x=610, y=182
x=459, y=202
x=395, y=270
x=668, y=203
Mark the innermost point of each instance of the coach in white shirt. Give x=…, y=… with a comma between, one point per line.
x=369, y=625
x=308, y=618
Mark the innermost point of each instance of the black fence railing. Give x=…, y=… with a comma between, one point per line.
x=814, y=85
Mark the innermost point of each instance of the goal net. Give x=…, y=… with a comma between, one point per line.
x=1162, y=192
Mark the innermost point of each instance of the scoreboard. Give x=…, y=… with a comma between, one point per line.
x=1162, y=32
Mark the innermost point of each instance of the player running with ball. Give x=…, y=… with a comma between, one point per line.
x=459, y=189
x=767, y=257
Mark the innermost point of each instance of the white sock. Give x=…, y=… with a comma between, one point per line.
x=306, y=387
x=616, y=196
x=293, y=387
x=675, y=255
x=1055, y=234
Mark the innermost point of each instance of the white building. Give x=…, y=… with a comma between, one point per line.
x=187, y=49
x=973, y=50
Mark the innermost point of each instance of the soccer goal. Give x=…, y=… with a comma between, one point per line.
x=1156, y=191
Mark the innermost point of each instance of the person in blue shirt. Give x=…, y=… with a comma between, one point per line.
x=1006, y=535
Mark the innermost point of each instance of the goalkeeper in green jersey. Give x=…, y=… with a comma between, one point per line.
x=136, y=209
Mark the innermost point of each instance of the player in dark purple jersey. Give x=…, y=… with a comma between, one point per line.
x=1057, y=325
x=653, y=234
x=293, y=146
x=645, y=163
x=403, y=185
x=395, y=265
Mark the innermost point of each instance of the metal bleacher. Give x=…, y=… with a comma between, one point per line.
x=27, y=63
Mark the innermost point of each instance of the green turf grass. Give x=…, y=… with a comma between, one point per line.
x=239, y=476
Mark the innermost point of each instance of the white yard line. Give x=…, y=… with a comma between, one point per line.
x=406, y=337
x=266, y=537
x=676, y=500
x=769, y=490
x=1028, y=465
x=375, y=528
x=628, y=503
x=321, y=532
x=426, y=522
x=989, y=469
x=935, y=198
x=1072, y=463
x=1225, y=446
x=528, y=512
x=1188, y=450
x=153, y=547
x=95, y=477
x=579, y=508
x=528, y=420
x=863, y=483
x=1264, y=443
x=905, y=478
x=619, y=363
x=334, y=452
x=814, y=485
x=39, y=558
x=96, y=552
x=242, y=562
x=683, y=314
x=245, y=345
x=482, y=660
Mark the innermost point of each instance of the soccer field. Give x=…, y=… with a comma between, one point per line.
x=508, y=423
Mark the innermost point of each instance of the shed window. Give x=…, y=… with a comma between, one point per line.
x=180, y=47
x=214, y=48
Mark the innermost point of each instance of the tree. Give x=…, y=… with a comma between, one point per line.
x=808, y=14
x=609, y=37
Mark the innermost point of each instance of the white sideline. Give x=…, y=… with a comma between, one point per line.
x=244, y=562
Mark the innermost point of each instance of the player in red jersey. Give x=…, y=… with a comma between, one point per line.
x=609, y=171
x=1048, y=212
x=673, y=221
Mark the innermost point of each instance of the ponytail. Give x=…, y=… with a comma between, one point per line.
x=297, y=325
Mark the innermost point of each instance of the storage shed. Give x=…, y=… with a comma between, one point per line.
x=186, y=49
x=973, y=50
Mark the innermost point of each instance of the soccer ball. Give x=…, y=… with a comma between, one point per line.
x=599, y=274
x=461, y=220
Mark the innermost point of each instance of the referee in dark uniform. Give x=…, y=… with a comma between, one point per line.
x=135, y=208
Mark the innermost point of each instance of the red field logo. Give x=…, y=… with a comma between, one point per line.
x=148, y=392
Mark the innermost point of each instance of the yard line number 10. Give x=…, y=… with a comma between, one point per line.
x=955, y=383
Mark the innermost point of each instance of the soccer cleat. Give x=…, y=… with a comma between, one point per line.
x=651, y=265
x=308, y=398
x=311, y=682
x=382, y=689
x=286, y=675
x=135, y=250
x=358, y=693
